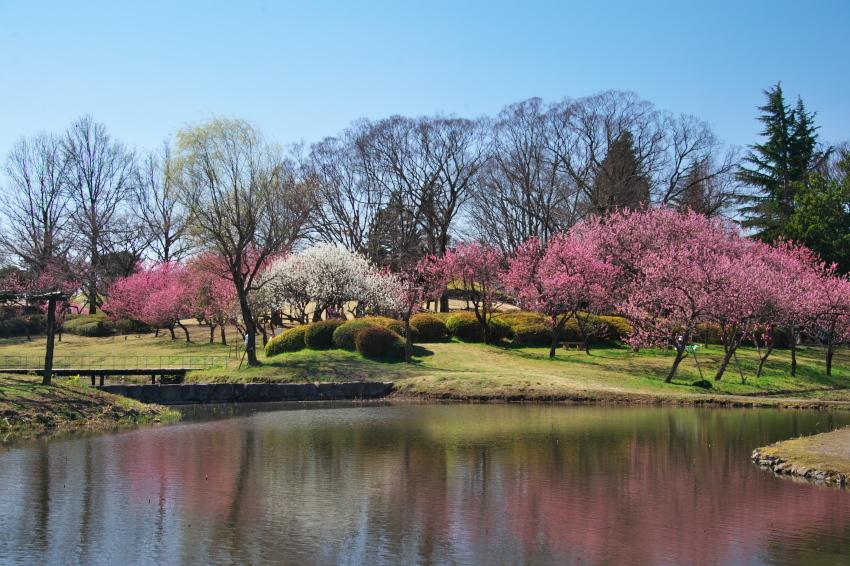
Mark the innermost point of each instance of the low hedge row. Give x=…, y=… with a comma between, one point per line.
x=99, y=325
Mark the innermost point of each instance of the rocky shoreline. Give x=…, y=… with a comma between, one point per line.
x=782, y=466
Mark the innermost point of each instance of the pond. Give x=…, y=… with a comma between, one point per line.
x=424, y=484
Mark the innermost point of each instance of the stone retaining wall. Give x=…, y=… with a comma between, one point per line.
x=231, y=392
x=781, y=466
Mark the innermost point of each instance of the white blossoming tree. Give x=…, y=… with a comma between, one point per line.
x=328, y=278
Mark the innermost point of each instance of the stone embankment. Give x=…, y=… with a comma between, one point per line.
x=781, y=466
x=232, y=392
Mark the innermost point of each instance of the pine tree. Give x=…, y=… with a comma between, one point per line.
x=620, y=181
x=780, y=166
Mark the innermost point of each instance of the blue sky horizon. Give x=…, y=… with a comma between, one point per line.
x=304, y=72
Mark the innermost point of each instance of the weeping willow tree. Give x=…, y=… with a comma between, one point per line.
x=245, y=202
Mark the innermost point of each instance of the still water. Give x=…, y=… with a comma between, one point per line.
x=424, y=484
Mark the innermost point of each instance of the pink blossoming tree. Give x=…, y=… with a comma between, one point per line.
x=476, y=271
x=564, y=279
x=157, y=295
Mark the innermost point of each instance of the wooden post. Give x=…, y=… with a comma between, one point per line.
x=47, y=376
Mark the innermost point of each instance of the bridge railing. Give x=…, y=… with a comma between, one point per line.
x=36, y=363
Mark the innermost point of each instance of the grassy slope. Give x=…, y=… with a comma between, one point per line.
x=27, y=406
x=459, y=370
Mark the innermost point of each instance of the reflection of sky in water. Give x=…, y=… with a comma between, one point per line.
x=470, y=484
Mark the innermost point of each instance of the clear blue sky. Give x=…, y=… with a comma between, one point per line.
x=305, y=70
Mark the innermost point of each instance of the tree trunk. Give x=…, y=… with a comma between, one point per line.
x=250, y=329
x=212, y=332
x=408, y=342
x=554, y=345
x=792, y=338
x=186, y=330
x=829, y=352
x=730, y=351
x=680, y=355
x=223, y=337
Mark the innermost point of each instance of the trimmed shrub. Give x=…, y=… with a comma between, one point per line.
x=37, y=322
x=18, y=325
x=430, y=327
x=617, y=327
x=444, y=316
x=375, y=340
x=345, y=334
x=710, y=333
x=74, y=321
x=396, y=349
x=319, y=335
x=464, y=326
x=290, y=340
x=533, y=334
x=499, y=329
x=397, y=326
x=96, y=329
x=131, y=326
x=522, y=318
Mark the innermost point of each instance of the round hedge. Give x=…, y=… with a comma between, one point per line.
x=319, y=335
x=396, y=349
x=499, y=329
x=398, y=327
x=464, y=326
x=375, y=340
x=430, y=327
x=93, y=329
x=290, y=340
x=533, y=335
x=95, y=325
x=131, y=326
x=345, y=334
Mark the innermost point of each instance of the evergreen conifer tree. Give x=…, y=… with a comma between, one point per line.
x=780, y=166
x=620, y=181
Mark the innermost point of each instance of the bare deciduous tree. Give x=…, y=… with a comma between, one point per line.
x=36, y=204
x=160, y=211
x=101, y=176
x=428, y=168
x=524, y=192
x=351, y=202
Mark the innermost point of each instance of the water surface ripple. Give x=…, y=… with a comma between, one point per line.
x=425, y=484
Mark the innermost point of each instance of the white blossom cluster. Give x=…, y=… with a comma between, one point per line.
x=329, y=276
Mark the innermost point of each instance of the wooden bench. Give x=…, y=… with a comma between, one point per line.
x=569, y=345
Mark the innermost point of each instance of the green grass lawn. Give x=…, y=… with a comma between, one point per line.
x=461, y=370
